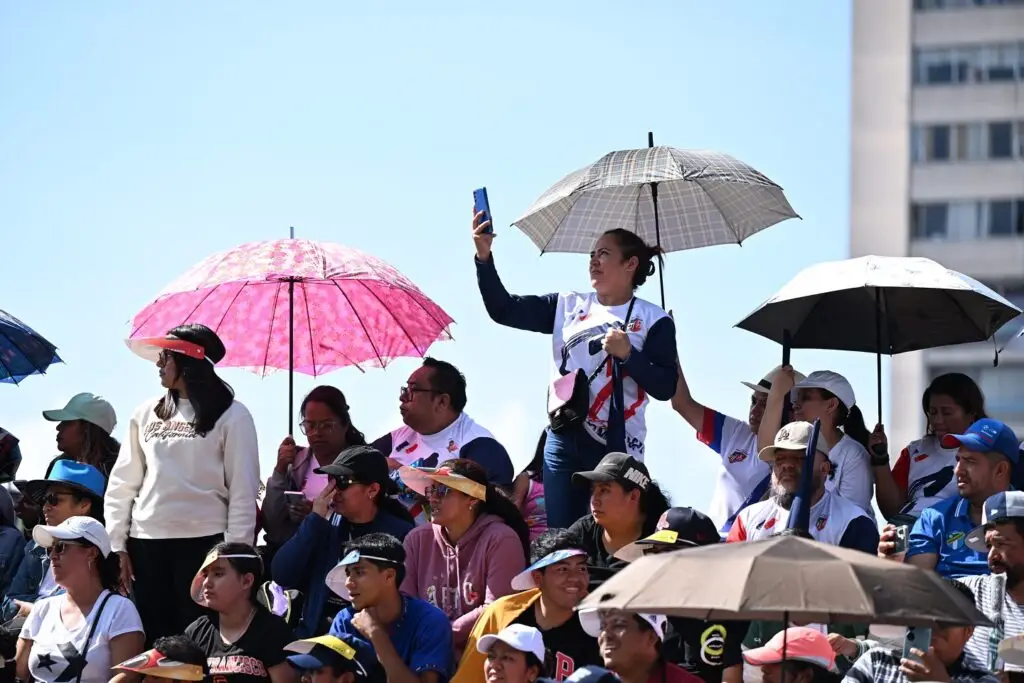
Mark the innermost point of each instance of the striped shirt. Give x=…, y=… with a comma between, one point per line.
x=882, y=665
x=991, y=598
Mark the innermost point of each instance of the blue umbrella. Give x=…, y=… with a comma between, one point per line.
x=800, y=511
x=23, y=351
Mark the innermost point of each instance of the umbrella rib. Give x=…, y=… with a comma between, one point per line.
x=270, y=332
x=309, y=324
x=963, y=310
x=360, y=319
x=53, y=350
x=397, y=321
x=725, y=221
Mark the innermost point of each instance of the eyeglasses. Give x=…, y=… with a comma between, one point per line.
x=325, y=427
x=407, y=393
x=59, y=547
x=436, y=491
x=54, y=499
x=342, y=483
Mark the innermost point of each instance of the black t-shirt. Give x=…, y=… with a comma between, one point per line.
x=250, y=658
x=705, y=648
x=602, y=563
x=568, y=646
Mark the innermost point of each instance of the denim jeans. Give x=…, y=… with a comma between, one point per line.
x=564, y=455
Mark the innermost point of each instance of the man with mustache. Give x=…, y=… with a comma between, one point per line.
x=999, y=595
x=987, y=455
x=833, y=519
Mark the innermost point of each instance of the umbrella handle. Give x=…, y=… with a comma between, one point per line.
x=787, y=345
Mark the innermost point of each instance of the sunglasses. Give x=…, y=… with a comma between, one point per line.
x=59, y=547
x=54, y=499
x=436, y=491
x=342, y=483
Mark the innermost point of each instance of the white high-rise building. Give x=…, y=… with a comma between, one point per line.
x=938, y=171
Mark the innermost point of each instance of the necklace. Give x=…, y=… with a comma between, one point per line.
x=231, y=638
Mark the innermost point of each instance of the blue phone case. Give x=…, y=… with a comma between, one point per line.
x=480, y=203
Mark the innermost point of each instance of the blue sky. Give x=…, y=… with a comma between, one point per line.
x=140, y=137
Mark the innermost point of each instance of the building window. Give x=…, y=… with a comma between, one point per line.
x=996, y=63
x=966, y=221
x=928, y=5
x=992, y=141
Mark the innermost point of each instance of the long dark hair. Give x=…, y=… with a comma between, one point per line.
x=244, y=565
x=335, y=401
x=850, y=420
x=630, y=244
x=496, y=501
x=109, y=568
x=654, y=502
x=964, y=392
x=209, y=394
x=99, y=449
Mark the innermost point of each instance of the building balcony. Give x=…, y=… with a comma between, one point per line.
x=968, y=26
x=992, y=259
x=966, y=180
x=967, y=102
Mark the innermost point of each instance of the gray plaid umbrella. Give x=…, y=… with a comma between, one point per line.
x=678, y=199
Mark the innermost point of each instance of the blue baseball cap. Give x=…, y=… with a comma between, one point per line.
x=75, y=475
x=1000, y=507
x=524, y=579
x=343, y=652
x=987, y=436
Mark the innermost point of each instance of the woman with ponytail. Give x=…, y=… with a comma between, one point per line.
x=476, y=543
x=617, y=349
x=329, y=430
x=827, y=396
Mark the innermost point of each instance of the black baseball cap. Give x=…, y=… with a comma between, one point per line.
x=361, y=465
x=682, y=527
x=618, y=467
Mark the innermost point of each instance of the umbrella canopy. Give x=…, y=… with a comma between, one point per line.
x=23, y=351
x=880, y=304
x=703, y=198
x=336, y=305
x=784, y=578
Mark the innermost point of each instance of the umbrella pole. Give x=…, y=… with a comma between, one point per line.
x=878, y=348
x=657, y=225
x=291, y=345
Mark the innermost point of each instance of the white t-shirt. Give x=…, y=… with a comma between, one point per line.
x=56, y=653
x=851, y=476
x=740, y=473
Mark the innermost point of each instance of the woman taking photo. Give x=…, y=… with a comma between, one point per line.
x=355, y=503
x=187, y=478
x=622, y=349
x=329, y=430
x=242, y=640
x=923, y=474
x=827, y=396
x=83, y=632
x=475, y=544
x=84, y=428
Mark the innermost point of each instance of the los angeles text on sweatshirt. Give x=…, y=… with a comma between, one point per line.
x=169, y=482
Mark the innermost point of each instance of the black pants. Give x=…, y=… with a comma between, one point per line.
x=164, y=570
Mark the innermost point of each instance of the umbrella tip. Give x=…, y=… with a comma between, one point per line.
x=650, y=138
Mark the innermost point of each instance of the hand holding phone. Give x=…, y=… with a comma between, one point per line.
x=918, y=638
x=482, y=206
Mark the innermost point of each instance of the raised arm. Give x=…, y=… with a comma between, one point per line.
x=530, y=313
x=684, y=403
x=771, y=421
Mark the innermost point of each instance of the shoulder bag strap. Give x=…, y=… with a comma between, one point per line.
x=92, y=631
x=629, y=314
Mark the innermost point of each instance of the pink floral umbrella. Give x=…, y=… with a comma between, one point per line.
x=300, y=305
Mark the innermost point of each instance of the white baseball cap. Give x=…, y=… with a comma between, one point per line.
x=765, y=385
x=793, y=437
x=590, y=620
x=516, y=636
x=74, y=529
x=88, y=407
x=832, y=382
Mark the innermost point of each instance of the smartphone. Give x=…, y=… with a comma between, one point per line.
x=918, y=638
x=902, y=532
x=481, y=205
x=294, y=497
